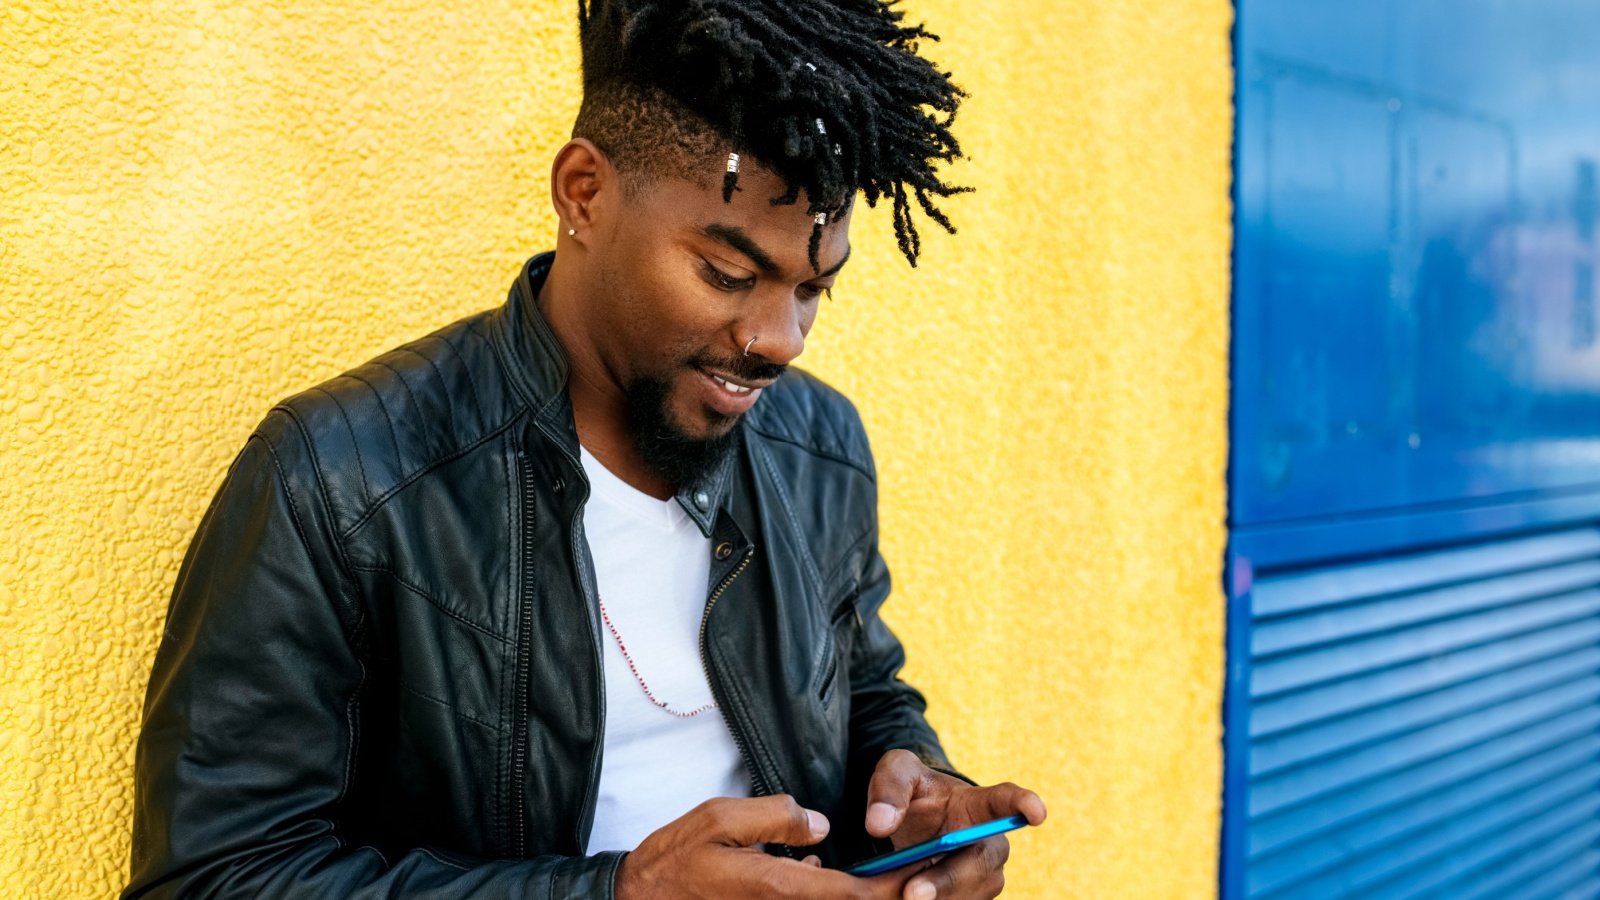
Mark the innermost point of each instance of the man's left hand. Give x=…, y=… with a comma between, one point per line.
x=909, y=803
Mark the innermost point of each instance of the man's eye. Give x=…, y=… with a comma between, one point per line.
x=810, y=292
x=724, y=281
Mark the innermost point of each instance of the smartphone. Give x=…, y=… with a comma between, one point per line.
x=944, y=843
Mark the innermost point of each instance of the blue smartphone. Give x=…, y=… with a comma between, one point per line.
x=944, y=843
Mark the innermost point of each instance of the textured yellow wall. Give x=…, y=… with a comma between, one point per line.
x=205, y=206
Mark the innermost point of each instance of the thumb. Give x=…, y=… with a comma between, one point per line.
x=760, y=820
x=890, y=790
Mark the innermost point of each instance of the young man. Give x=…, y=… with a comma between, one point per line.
x=579, y=596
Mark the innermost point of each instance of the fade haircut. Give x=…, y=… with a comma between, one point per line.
x=828, y=94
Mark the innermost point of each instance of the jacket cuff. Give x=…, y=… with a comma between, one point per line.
x=934, y=759
x=587, y=877
x=951, y=772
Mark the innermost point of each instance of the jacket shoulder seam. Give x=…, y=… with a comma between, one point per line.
x=449, y=401
x=814, y=450
x=327, y=506
x=377, y=503
x=784, y=501
x=388, y=420
x=288, y=493
x=355, y=444
x=466, y=370
x=371, y=504
x=380, y=361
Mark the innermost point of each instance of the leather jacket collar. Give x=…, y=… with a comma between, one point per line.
x=538, y=368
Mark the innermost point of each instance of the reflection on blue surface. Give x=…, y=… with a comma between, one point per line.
x=1415, y=309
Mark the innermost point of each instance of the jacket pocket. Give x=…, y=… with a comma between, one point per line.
x=843, y=620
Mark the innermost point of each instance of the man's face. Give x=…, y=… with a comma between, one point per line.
x=686, y=281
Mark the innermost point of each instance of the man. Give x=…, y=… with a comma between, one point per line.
x=579, y=596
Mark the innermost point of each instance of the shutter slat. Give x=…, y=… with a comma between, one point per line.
x=1342, y=584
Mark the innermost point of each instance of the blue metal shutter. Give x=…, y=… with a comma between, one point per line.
x=1428, y=724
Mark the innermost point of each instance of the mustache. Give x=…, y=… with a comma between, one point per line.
x=745, y=368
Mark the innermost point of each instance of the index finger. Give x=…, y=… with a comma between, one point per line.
x=1001, y=800
x=890, y=789
x=746, y=821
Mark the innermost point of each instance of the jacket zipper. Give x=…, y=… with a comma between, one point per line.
x=586, y=811
x=519, y=734
x=759, y=782
x=591, y=605
x=758, y=778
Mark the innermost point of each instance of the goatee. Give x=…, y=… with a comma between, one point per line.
x=684, y=460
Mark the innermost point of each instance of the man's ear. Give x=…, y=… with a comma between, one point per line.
x=582, y=186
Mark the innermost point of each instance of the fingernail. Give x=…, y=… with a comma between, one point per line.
x=882, y=815
x=923, y=891
x=818, y=822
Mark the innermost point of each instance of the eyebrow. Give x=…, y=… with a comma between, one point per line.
x=836, y=266
x=736, y=238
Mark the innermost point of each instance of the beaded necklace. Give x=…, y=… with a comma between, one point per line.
x=649, y=694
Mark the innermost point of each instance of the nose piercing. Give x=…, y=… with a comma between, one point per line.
x=749, y=345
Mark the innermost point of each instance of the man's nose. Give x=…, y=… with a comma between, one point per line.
x=778, y=324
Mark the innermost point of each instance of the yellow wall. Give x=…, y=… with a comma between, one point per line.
x=206, y=206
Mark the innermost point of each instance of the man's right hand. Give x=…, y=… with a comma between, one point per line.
x=710, y=853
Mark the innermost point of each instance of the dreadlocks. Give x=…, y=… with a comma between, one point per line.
x=829, y=94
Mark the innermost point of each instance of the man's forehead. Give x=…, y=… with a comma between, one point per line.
x=775, y=236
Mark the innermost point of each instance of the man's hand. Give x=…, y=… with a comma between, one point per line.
x=909, y=803
x=710, y=852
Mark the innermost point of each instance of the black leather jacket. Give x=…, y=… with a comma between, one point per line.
x=380, y=674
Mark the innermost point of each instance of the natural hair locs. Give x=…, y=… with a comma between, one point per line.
x=830, y=94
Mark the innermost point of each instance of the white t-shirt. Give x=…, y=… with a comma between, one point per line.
x=652, y=565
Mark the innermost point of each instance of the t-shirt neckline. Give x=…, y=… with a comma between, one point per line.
x=608, y=488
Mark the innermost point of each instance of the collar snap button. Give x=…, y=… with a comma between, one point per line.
x=701, y=500
x=723, y=551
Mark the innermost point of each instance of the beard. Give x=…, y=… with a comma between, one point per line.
x=684, y=459
x=669, y=450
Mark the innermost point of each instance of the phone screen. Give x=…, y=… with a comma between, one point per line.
x=944, y=843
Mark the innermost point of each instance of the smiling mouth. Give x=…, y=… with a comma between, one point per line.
x=739, y=384
x=729, y=386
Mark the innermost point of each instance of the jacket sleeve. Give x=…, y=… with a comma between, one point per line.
x=885, y=712
x=250, y=724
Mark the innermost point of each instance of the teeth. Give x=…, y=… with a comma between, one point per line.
x=730, y=386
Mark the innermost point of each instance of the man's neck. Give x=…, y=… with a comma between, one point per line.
x=599, y=406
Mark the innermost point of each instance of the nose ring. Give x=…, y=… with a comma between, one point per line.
x=749, y=345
